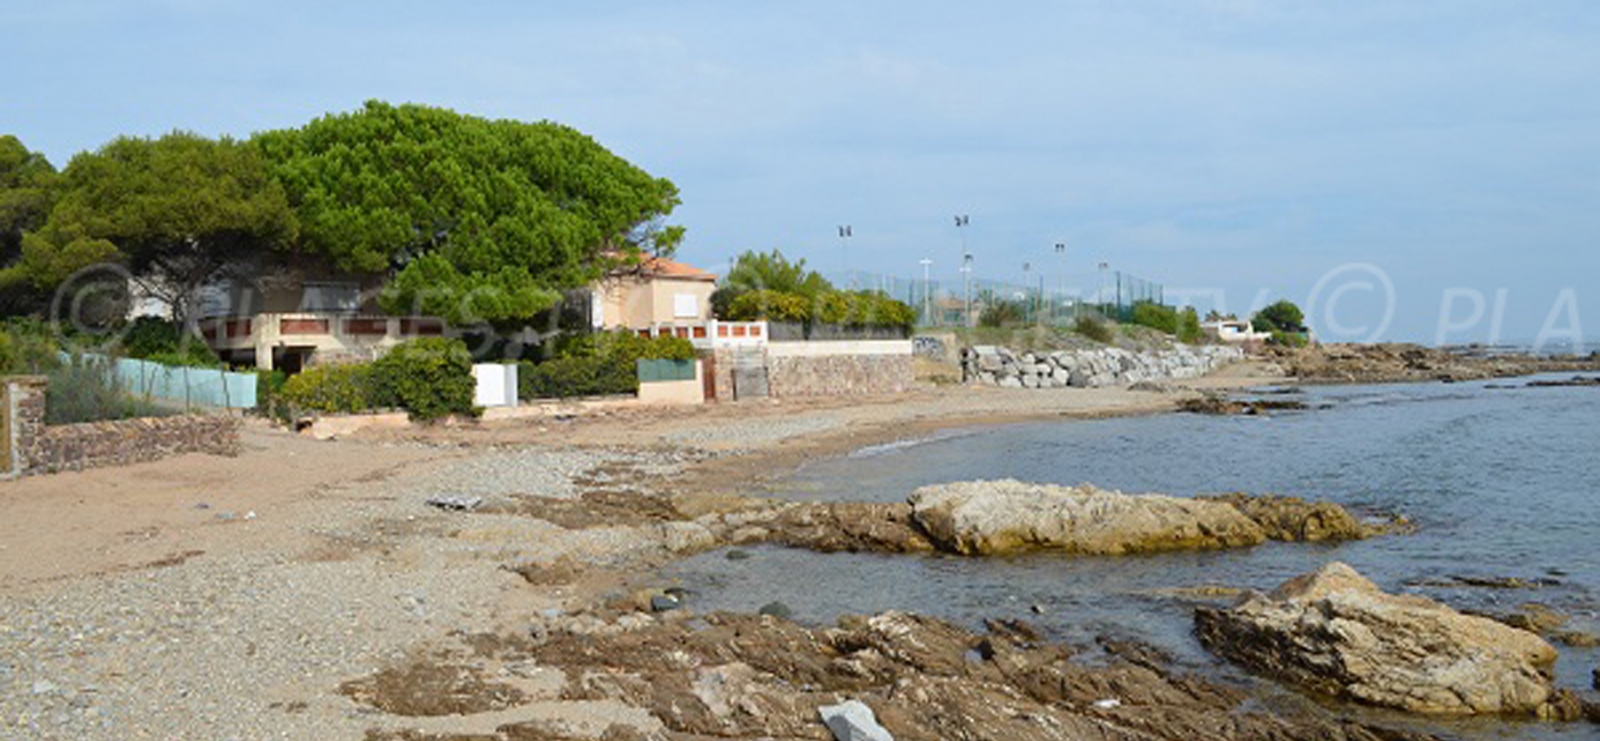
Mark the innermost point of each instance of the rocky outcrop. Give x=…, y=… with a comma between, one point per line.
x=1386, y=363
x=831, y=527
x=1335, y=633
x=735, y=676
x=1293, y=518
x=991, y=365
x=983, y=518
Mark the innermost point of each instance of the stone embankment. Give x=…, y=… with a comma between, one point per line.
x=1111, y=366
x=1335, y=633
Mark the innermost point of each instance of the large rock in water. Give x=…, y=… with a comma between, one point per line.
x=982, y=518
x=1335, y=633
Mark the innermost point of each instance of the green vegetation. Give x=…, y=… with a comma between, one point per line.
x=430, y=378
x=1156, y=316
x=85, y=389
x=27, y=191
x=176, y=212
x=1189, y=330
x=332, y=389
x=1093, y=329
x=767, y=286
x=600, y=364
x=1282, y=316
x=1002, y=314
x=1284, y=321
x=473, y=219
x=161, y=341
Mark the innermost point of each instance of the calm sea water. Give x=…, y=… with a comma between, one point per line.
x=1501, y=482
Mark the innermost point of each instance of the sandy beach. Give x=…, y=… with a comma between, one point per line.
x=206, y=597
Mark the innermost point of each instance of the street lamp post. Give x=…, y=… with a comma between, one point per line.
x=962, y=220
x=927, y=295
x=1031, y=306
x=1061, y=290
x=966, y=279
x=1100, y=298
x=845, y=233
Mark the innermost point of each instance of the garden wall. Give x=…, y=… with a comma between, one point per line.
x=839, y=368
x=35, y=447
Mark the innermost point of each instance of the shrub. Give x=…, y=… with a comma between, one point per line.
x=270, y=401
x=429, y=378
x=85, y=389
x=161, y=341
x=575, y=376
x=1279, y=316
x=770, y=305
x=1093, y=329
x=863, y=309
x=1001, y=314
x=333, y=389
x=8, y=354
x=1288, y=339
x=33, y=347
x=1189, y=326
x=1155, y=316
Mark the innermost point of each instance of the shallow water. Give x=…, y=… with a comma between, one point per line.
x=1501, y=482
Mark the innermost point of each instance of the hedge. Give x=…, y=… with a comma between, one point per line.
x=429, y=378
x=600, y=364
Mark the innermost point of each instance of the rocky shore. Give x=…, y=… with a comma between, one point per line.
x=1401, y=363
x=346, y=606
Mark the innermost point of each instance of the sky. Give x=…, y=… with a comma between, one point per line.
x=1424, y=171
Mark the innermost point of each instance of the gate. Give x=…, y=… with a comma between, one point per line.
x=750, y=373
x=708, y=380
x=5, y=431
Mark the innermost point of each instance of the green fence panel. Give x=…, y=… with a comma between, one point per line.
x=651, y=371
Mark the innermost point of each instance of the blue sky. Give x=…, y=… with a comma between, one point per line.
x=1232, y=149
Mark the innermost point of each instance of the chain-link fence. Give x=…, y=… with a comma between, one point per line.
x=1055, y=300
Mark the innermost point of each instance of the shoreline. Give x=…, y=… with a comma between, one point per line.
x=346, y=521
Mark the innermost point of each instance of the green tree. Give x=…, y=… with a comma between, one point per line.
x=1189, y=329
x=27, y=190
x=1282, y=316
x=177, y=212
x=470, y=219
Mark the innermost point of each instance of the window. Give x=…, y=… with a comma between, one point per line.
x=685, y=306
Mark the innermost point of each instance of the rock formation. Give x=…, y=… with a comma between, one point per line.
x=982, y=518
x=1110, y=366
x=1335, y=633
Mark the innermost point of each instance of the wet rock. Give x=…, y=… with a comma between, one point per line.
x=1000, y=517
x=664, y=603
x=853, y=721
x=1335, y=633
x=1574, y=381
x=776, y=609
x=848, y=526
x=1218, y=404
x=1295, y=519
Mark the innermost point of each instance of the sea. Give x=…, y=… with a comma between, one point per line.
x=1501, y=479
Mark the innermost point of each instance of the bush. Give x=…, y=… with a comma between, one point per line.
x=773, y=306
x=270, y=401
x=87, y=390
x=1093, y=329
x=161, y=341
x=32, y=348
x=1189, y=330
x=331, y=389
x=1288, y=339
x=575, y=376
x=1281, y=316
x=863, y=309
x=429, y=378
x=1155, y=316
x=1001, y=314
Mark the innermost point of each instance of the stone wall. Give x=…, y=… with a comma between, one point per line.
x=40, y=448
x=1111, y=366
x=845, y=368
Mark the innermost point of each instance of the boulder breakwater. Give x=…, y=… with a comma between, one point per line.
x=992, y=365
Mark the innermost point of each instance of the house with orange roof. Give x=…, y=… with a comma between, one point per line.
x=656, y=292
